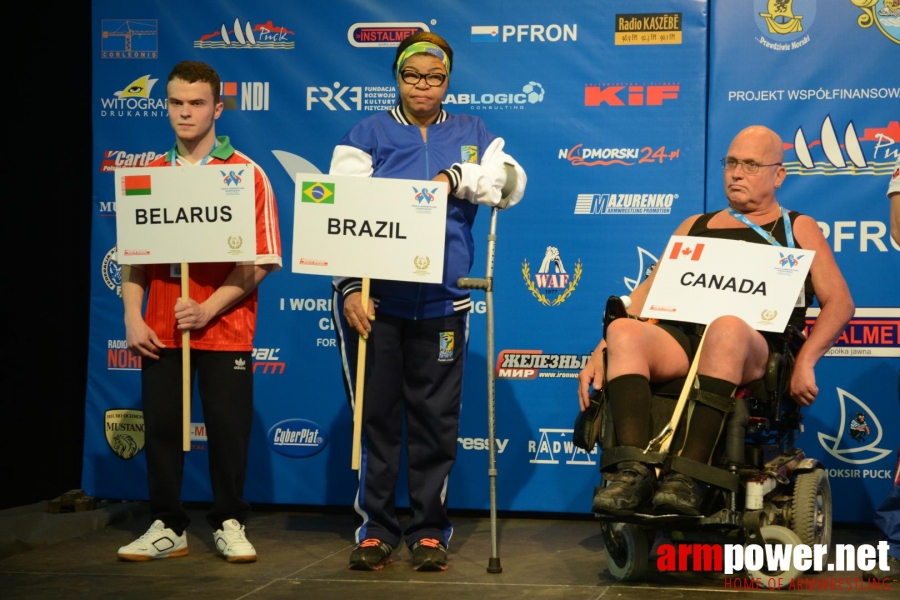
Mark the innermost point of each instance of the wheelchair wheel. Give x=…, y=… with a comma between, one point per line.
x=811, y=517
x=776, y=535
x=627, y=550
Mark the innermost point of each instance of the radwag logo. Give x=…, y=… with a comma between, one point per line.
x=530, y=93
x=254, y=95
x=555, y=446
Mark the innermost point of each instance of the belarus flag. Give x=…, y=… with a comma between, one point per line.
x=485, y=33
x=136, y=185
x=694, y=252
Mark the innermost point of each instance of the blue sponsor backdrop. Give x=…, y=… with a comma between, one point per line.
x=618, y=114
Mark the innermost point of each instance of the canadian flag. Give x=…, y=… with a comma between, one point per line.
x=679, y=250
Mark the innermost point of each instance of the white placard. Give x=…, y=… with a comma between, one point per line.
x=192, y=214
x=369, y=227
x=700, y=279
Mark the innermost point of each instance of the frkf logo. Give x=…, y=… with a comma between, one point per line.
x=231, y=177
x=638, y=95
x=332, y=100
x=679, y=250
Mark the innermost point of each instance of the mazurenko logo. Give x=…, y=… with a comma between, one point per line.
x=297, y=438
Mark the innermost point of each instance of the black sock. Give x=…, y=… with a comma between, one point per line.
x=629, y=401
x=706, y=421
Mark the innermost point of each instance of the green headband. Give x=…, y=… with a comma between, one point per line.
x=419, y=48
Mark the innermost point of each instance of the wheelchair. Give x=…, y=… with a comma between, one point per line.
x=769, y=491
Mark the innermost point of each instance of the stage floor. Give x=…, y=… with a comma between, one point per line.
x=303, y=554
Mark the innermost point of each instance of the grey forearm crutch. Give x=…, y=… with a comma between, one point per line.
x=487, y=284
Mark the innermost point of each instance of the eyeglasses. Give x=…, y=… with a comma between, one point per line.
x=414, y=77
x=748, y=166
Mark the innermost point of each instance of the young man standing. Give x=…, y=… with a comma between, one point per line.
x=221, y=317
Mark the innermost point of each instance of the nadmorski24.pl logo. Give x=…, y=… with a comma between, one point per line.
x=780, y=566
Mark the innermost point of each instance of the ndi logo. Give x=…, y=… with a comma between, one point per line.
x=297, y=438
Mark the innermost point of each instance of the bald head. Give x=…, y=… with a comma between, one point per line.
x=763, y=138
x=760, y=151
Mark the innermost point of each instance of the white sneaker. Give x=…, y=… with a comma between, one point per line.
x=158, y=542
x=231, y=542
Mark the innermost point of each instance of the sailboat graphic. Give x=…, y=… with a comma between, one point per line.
x=831, y=147
x=643, y=272
x=869, y=453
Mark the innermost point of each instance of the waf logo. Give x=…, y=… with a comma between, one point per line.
x=552, y=279
x=424, y=195
x=382, y=35
x=124, y=429
x=679, y=250
x=232, y=178
x=844, y=154
x=630, y=95
x=858, y=424
x=789, y=260
x=254, y=95
x=261, y=36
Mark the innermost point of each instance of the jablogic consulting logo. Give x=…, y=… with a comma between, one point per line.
x=530, y=93
x=776, y=565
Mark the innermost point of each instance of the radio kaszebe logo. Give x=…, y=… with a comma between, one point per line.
x=124, y=429
x=552, y=284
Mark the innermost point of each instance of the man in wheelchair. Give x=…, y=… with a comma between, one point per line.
x=640, y=354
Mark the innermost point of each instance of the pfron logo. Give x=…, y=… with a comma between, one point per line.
x=833, y=148
x=858, y=427
x=646, y=263
x=112, y=272
x=382, y=35
x=266, y=361
x=531, y=93
x=525, y=33
x=134, y=101
x=887, y=17
x=124, y=429
x=624, y=204
x=129, y=38
x=554, y=446
x=648, y=28
x=784, y=23
x=297, y=438
x=120, y=159
x=261, y=36
x=254, y=95
x=580, y=156
x=551, y=278
x=872, y=332
x=634, y=95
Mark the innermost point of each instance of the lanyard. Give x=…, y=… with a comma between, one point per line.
x=788, y=229
x=203, y=161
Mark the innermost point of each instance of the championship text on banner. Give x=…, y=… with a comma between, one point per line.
x=369, y=227
x=194, y=215
x=700, y=279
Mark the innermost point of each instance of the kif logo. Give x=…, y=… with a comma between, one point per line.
x=254, y=95
x=318, y=193
x=551, y=282
x=129, y=38
x=262, y=36
x=679, y=250
x=382, y=35
x=637, y=95
x=555, y=444
x=858, y=427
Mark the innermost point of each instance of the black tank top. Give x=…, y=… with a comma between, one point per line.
x=701, y=228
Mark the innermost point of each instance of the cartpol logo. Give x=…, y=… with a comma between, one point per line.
x=382, y=35
x=297, y=438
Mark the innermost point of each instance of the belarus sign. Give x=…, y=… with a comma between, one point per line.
x=700, y=279
x=369, y=227
x=203, y=213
